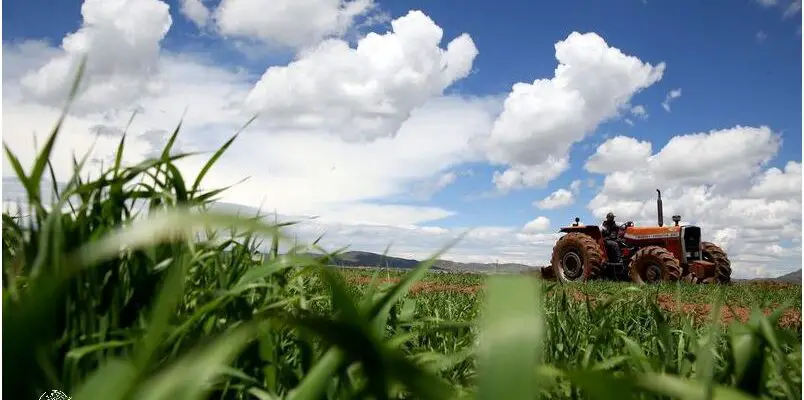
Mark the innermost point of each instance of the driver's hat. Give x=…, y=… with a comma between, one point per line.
x=610, y=216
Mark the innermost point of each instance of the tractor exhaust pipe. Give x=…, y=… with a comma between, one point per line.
x=659, y=207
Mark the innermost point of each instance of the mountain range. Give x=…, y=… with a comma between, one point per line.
x=793, y=277
x=368, y=259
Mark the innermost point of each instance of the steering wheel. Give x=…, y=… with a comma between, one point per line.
x=621, y=229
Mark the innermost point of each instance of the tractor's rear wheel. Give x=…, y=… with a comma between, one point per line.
x=714, y=254
x=576, y=258
x=654, y=264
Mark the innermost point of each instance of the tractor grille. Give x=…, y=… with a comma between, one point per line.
x=691, y=235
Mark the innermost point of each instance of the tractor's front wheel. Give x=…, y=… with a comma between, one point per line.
x=654, y=264
x=576, y=257
x=714, y=254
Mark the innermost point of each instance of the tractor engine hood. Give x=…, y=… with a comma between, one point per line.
x=652, y=232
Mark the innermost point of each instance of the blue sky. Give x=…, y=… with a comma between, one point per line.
x=728, y=77
x=737, y=63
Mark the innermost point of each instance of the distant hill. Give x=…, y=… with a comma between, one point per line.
x=368, y=259
x=793, y=277
x=481, y=267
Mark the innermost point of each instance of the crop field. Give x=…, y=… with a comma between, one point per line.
x=695, y=300
x=129, y=287
x=684, y=301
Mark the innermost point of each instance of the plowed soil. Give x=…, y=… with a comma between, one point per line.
x=701, y=312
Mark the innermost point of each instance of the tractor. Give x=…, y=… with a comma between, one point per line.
x=649, y=254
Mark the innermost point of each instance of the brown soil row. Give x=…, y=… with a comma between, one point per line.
x=700, y=312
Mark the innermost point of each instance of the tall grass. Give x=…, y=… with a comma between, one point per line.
x=128, y=286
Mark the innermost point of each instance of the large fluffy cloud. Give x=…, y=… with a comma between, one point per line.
x=729, y=160
x=721, y=156
x=364, y=92
x=717, y=180
x=541, y=120
x=121, y=39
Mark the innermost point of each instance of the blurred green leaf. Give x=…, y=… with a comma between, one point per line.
x=511, y=336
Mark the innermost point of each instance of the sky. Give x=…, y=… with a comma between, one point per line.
x=407, y=123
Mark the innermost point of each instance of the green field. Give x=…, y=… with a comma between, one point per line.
x=130, y=289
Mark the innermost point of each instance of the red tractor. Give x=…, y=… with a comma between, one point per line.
x=649, y=254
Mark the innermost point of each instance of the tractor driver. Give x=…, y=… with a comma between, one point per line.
x=610, y=235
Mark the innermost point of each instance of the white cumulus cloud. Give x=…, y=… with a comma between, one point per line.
x=366, y=92
x=620, y=153
x=558, y=199
x=541, y=120
x=537, y=225
x=726, y=155
x=121, y=40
